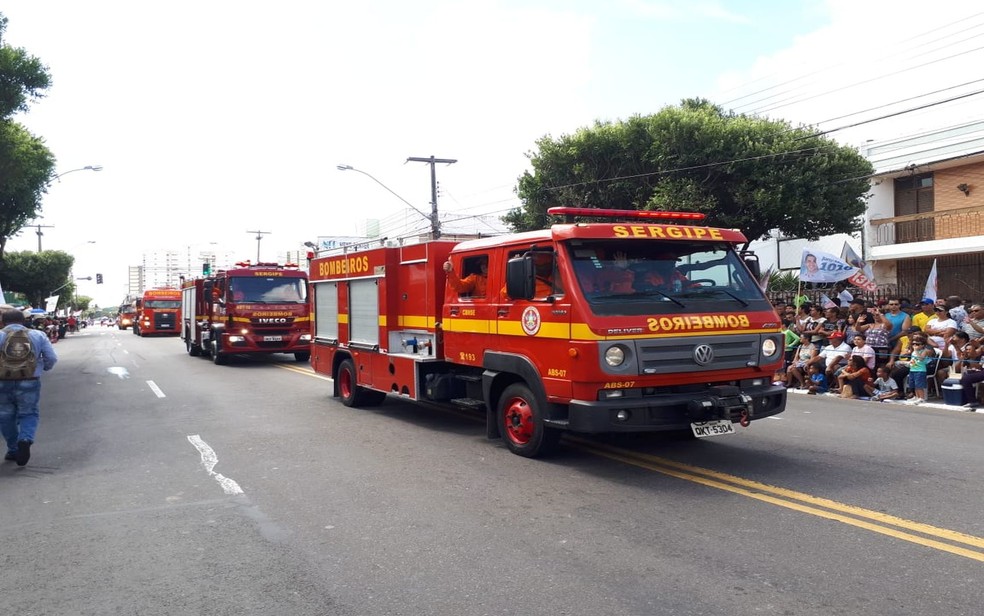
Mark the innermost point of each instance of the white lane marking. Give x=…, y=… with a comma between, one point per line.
x=209, y=460
x=119, y=371
x=157, y=390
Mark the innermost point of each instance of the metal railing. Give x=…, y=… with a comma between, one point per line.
x=947, y=224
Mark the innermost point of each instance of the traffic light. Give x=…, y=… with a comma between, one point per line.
x=206, y=269
x=99, y=278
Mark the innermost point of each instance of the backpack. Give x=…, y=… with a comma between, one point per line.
x=17, y=358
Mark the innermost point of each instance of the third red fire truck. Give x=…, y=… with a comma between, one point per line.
x=251, y=308
x=644, y=322
x=158, y=312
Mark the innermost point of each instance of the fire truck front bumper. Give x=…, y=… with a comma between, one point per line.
x=674, y=411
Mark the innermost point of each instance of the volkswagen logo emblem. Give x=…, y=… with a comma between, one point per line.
x=703, y=354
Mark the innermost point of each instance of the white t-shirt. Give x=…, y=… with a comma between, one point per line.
x=830, y=352
x=939, y=324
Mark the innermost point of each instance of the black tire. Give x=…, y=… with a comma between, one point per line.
x=302, y=356
x=350, y=393
x=193, y=349
x=218, y=358
x=521, y=424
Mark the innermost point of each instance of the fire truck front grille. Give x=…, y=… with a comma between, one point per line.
x=272, y=332
x=691, y=354
x=164, y=320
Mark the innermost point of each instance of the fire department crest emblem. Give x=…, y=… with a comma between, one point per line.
x=531, y=320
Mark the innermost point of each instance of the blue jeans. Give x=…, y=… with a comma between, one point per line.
x=19, y=411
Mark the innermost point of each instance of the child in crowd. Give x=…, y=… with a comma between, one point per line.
x=884, y=387
x=918, y=361
x=818, y=380
x=853, y=377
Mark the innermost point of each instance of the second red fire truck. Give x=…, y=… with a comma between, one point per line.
x=158, y=312
x=644, y=322
x=249, y=309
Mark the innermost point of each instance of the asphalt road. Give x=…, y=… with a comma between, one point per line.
x=162, y=484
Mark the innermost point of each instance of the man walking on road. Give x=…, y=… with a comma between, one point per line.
x=20, y=385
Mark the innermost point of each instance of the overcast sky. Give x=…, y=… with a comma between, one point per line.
x=213, y=118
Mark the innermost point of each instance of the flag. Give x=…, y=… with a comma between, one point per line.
x=764, y=278
x=819, y=266
x=865, y=278
x=826, y=302
x=930, y=291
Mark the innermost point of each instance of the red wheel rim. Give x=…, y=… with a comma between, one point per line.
x=518, y=420
x=345, y=383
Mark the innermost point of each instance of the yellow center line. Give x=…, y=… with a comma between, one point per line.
x=305, y=372
x=776, y=496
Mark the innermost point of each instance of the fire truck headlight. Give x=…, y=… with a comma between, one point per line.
x=305, y=338
x=235, y=339
x=614, y=356
x=244, y=331
x=769, y=347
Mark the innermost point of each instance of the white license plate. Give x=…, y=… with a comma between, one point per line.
x=273, y=338
x=717, y=427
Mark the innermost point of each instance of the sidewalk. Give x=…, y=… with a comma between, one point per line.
x=936, y=403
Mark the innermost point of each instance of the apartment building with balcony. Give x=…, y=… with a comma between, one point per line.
x=926, y=203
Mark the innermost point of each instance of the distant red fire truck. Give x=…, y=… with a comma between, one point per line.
x=646, y=324
x=249, y=309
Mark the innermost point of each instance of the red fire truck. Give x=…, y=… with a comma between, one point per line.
x=647, y=325
x=252, y=308
x=127, y=313
x=158, y=312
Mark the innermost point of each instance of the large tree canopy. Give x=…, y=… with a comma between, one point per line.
x=26, y=164
x=742, y=172
x=38, y=274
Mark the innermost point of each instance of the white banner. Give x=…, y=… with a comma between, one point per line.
x=50, y=303
x=819, y=266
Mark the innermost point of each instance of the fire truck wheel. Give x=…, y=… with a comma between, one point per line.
x=193, y=350
x=355, y=395
x=521, y=423
x=219, y=359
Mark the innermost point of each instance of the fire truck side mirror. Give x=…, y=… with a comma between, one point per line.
x=520, y=277
x=752, y=261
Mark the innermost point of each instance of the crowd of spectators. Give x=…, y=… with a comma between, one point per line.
x=882, y=350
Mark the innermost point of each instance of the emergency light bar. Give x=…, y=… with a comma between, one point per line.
x=638, y=214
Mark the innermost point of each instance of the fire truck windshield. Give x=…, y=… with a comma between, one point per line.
x=162, y=303
x=630, y=277
x=268, y=290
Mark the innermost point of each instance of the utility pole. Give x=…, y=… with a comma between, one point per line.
x=435, y=223
x=40, y=234
x=259, y=236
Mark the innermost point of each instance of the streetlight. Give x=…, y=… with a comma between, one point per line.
x=86, y=168
x=351, y=168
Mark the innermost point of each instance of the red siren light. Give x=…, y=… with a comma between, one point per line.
x=637, y=214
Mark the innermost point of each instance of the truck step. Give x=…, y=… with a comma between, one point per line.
x=471, y=403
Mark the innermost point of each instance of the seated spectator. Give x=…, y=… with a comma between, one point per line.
x=949, y=360
x=818, y=381
x=805, y=354
x=956, y=310
x=833, y=355
x=853, y=378
x=971, y=372
x=973, y=325
x=884, y=387
x=940, y=327
x=926, y=312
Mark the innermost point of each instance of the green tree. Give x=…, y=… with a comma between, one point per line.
x=37, y=274
x=26, y=164
x=742, y=172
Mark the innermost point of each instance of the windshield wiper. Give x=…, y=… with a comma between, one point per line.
x=708, y=291
x=638, y=295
